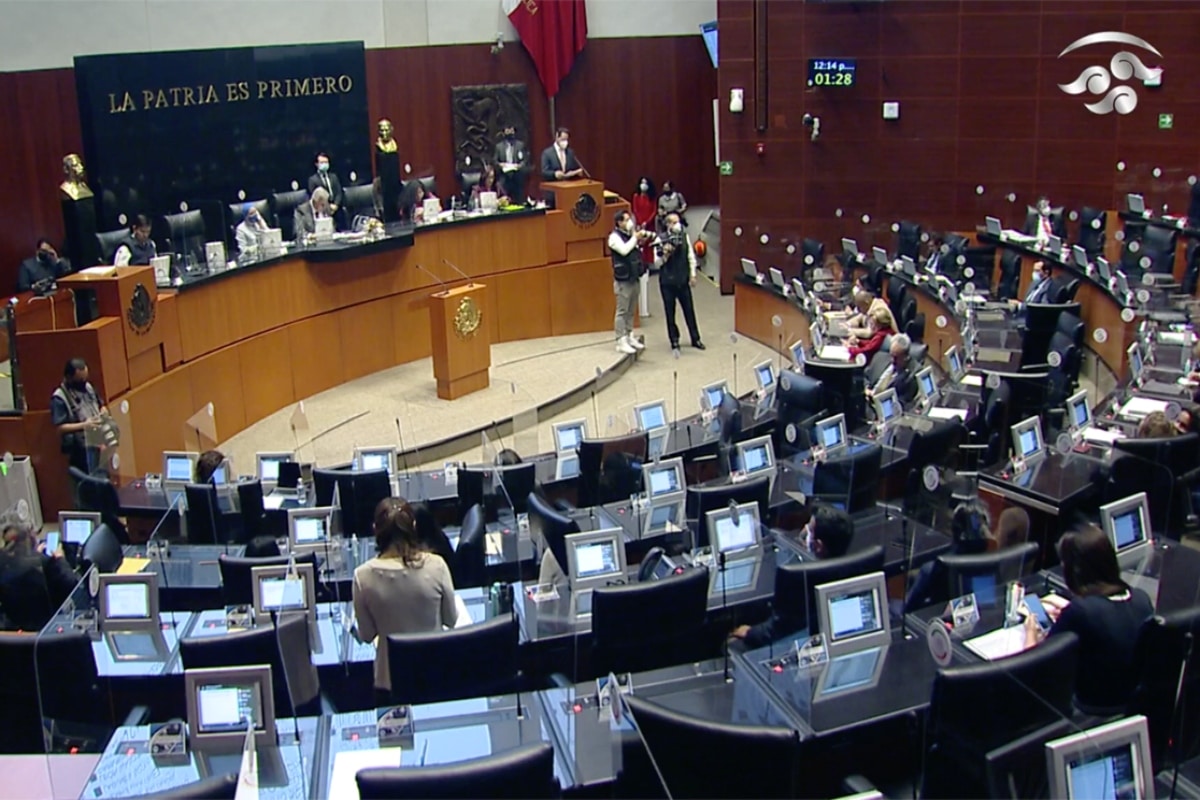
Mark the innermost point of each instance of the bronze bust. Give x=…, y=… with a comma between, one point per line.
x=75, y=186
x=385, y=142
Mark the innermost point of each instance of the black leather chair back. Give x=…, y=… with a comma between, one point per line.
x=237, y=211
x=908, y=312
x=1010, y=275
x=523, y=772
x=470, y=559
x=794, y=604
x=915, y=328
x=109, y=241
x=366, y=489
x=473, y=661
x=964, y=573
x=1017, y=769
x=878, y=364
x=205, y=522
x=236, y=586
x=63, y=661
x=850, y=481
x=216, y=787
x=897, y=292
x=813, y=253
x=1158, y=243
x=1016, y=696
x=283, y=207
x=991, y=428
x=1164, y=468
x=675, y=741
x=908, y=240
x=798, y=404
x=1071, y=325
x=102, y=550
x=468, y=180
x=549, y=528
x=1191, y=275
x=1163, y=647
x=186, y=234
x=251, y=509
x=643, y=626
x=324, y=481
x=1092, y=222
x=359, y=201
x=604, y=478
x=99, y=494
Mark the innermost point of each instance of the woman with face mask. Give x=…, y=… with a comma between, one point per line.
x=644, y=211
x=250, y=230
x=670, y=202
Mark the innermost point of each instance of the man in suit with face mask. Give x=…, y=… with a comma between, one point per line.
x=511, y=158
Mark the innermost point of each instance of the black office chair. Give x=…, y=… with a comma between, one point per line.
x=1010, y=275
x=1191, y=274
x=643, y=626
x=100, y=495
x=701, y=499
x=359, y=201
x=873, y=280
x=1169, y=466
x=251, y=510
x=326, y=480
x=676, y=741
x=941, y=446
x=468, y=180
x=186, y=235
x=236, y=584
x=908, y=240
x=897, y=292
x=283, y=207
x=215, y=787
x=102, y=550
x=475, y=487
x=365, y=490
x=908, y=312
x=799, y=403
x=794, y=604
x=1158, y=244
x=813, y=253
x=432, y=537
x=978, y=707
x=1165, y=643
x=851, y=481
x=991, y=429
x=603, y=476
x=523, y=772
x=470, y=558
x=915, y=328
x=986, y=574
x=109, y=241
x=549, y=528
x=206, y=523
x=1092, y=224
x=878, y=364
x=237, y=213
x=1016, y=770
x=477, y=660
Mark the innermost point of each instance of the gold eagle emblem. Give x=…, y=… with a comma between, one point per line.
x=467, y=318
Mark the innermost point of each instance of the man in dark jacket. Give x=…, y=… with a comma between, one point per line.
x=677, y=275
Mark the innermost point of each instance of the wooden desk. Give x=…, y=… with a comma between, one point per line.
x=52, y=312
x=754, y=310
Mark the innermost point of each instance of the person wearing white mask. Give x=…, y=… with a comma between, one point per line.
x=670, y=201
x=325, y=178
x=1042, y=223
x=250, y=230
x=676, y=277
x=1039, y=287
x=558, y=160
x=627, y=273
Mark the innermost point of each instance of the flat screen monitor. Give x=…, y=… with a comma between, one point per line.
x=830, y=433
x=1103, y=268
x=887, y=407
x=994, y=227
x=1079, y=413
x=268, y=465
x=310, y=529
x=1135, y=203
x=179, y=467
x=738, y=575
x=566, y=467
x=1107, y=762
x=1135, y=361
x=756, y=456
x=797, y=351
x=734, y=529
x=657, y=443
x=128, y=601
x=651, y=415
x=853, y=613
x=224, y=474
x=881, y=256
x=777, y=279
x=764, y=376
x=664, y=478
x=1027, y=438
x=1080, y=255
x=367, y=459
x=1126, y=523
x=223, y=702
x=710, y=395
x=850, y=247
x=927, y=386
x=664, y=516
x=281, y=587
x=954, y=364
x=749, y=268
x=145, y=644
x=568, y=435
x=595, y=558
x=77, y=526
x=708, y=31
x=859, y=670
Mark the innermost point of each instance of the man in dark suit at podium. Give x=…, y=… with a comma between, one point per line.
x=326, y=179
x=558, y=160
x=512, y=162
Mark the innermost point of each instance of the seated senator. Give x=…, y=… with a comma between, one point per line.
x=968, y=536
x=487, y=183
x=33, y=583
x=306, y=215
x=879, y=327
x=416, y=211
x=250, y=230
x=866, y=304
x=899, y=374
x=42, y=268
x=138, y=248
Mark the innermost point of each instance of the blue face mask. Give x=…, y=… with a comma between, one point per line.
x=323, y=166
x=1037, y=277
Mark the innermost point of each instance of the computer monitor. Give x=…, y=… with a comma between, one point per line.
x=651, y=415
x=993, y=225
x=702, y=499
x=853, y=613
x=749, y=269
x=375, y=458
x=1027, y=439
x=568, y=435
x=663, y=516
x=595, y=559
x=310, y=529
x=77, y=526
x=1108, y=761
x=1054, y=244
x=179, y=467
x=1079, y=413
x=1135, y=203
x=1134, y=352
x=1103, y=268
x=268, y=465
x=710, y=395
x=128, y=601
x=850, y=672
x=880, y=255
x=887, y=407
x=927, y=387
x=797, y=351
x=908, y=266
x=777, y=279
x=664, y=478
x=567, y=466
x=756, y=456
x=1080, y=255
x=830, y=433
x=1126, y=523
x=737, y=575
x=954, y=364
x=734, y=530
x=223, y=702
x=850, y=247
x=843, y=389
x=657, y=443
x=137, y=644
x=280, y=588
x=764, y=376
x=224, y=475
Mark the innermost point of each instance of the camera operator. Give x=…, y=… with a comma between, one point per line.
x=43, y=268
x=677, y=275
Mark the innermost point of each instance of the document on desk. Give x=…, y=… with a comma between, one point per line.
x=1139, y=407
x=972, y=380
x=347, y=764
x=494, y=543
x=1101, y=436
x=1000, y=643
x=99, y=272
x=940, y=412
x=835, y=352
x=132, y=566
x=464, y=616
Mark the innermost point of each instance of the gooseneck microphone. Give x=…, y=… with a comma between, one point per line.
x=459, y=271
x=430, y=274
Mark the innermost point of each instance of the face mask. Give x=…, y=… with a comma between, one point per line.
x=562, y=145
x=509, y=135
x=1037, y=277
x=668, y=190
x=44, y=256
x=1044, y=211
x=676, y=228
x=323, y=167
x=645, y=187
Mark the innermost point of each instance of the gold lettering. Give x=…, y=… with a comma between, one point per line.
x=345, y=83
x=330, y=86
x=318, y=86
x=160, y=100
x=231, y=93
x=303, y=88
x=262, y=89
x=127, y=104
x=189, y=98
x=275, y=90
x=210, y=95
x=147, y=98
x=175, y=90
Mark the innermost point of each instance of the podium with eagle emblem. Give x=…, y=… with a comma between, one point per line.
x=462, y=347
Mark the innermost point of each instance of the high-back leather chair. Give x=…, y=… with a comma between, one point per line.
x=186, y=235
x=641, y=626
x=109, y=241
x=99, y=494
x=63, y=666
x=1092, y=224
x=908, y=239
x=522, y=772
x=359, y=201
x=984, y=573
x=470, y=557
x=102, y=550
x=236, y=574
x=1010, y=275
x=283, y=207
x=549, y=528
x=251, y=509
x=794, y=604
x=1165, y=643
x=473, y=661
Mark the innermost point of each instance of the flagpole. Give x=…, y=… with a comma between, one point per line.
x=553, y=123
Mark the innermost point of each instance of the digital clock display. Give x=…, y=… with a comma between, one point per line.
x=831, y=71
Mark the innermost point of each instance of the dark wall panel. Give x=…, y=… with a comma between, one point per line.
x=981, y=116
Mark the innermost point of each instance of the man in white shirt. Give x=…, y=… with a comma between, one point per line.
x=558, y=160
x=624, y=242
x=1043, y=224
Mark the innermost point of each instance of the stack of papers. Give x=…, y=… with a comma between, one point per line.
x=1000, y=643
x=972, y=380
x=938, y=412
x=1101, y=436
x=1139, y=407
x=835, y=352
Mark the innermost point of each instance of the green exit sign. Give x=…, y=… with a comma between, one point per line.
x=726, y=167
x=1166, y=122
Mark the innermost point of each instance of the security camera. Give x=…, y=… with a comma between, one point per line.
x=498, y=45
x=813, y=122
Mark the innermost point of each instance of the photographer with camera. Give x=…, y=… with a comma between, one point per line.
x=625, y=242
x=677, y=275
x=40, y=271
x=75, y=409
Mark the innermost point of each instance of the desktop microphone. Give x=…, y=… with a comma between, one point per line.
x=1177, y=708
x=459, y=271
x=403, y=455
x=582, y=167
x=595, y=410
x=674, y=401
x=430, y=274
x=725, y=598
x=735, y=391
x=496, y=430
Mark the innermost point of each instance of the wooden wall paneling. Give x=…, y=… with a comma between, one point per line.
x=556, y=235
x=157, y=412
x=43, y=445
x=412, y=325
x=168, y=318
x=472, y=250
x=368, y=338
x=267, y=367
x=217, y=379
x=581, y=296
x=523, y=303
x=316, y=355
x=100, y=343
x=145, y=366
x=521, y=244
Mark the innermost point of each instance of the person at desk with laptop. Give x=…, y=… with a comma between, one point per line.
x=304, y=220
x=403, y=589
x=827, y=535
x=250, y=230
x=879, y=327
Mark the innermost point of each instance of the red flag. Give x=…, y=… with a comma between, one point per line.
x=553, y=31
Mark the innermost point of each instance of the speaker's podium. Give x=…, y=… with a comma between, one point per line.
x=462, y=349
x=583, y=197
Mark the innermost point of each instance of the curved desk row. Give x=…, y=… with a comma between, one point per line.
x=256, y=339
